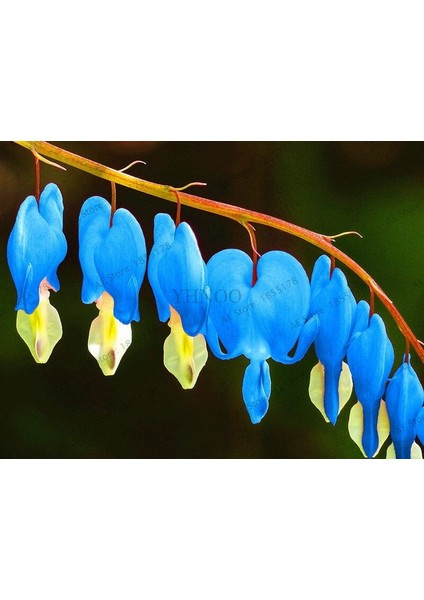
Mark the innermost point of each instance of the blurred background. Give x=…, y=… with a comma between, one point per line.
x=68, y=409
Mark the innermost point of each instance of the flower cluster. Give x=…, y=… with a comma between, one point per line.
x=262, y=310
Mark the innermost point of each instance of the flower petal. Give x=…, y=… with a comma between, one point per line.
x=263, y=320
x=320, y=276
x=35, y=249
x=230, y=279
x=51, y=206
x=362, y=318
x=51, y=209
x=120, y=261
x=182, y=278
x=184, y=356
x=335, y=306
x=416, y=452
x=93, y=225
x=108, y=339
x=316, y=388
x=257, y=390
x=282, y=295
x=40, y=330
x=307, y=336
x=356, y=429
x=370, y=356
x=404, y=399
x=164, y=234
x=419, y=424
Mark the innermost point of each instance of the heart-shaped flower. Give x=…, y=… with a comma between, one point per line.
x=35, y=249
x=113, y=261
x=263, y=320
x=370, y=358
x=333, y=302
x=404, y=399
x=177, y=275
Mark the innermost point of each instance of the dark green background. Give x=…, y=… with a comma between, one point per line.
x=68, y=409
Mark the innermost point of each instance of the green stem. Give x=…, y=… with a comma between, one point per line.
x=241, y=215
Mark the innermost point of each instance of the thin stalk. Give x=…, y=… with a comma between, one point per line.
x=37, y=177
x=112, y=202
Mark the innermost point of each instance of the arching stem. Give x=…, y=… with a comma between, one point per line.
x=236, y=213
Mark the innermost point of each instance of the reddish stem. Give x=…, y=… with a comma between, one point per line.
x=255, y=253
x=372, y=302
x=255, y=268
x=332, y=266
x=113, y=202
x=178, y=214
x=407, y=350
x=37, y=178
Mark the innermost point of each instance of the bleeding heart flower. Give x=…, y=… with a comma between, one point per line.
x=404, y=399
x=333, y=302
x=35, y=249
x=177, y=275
x=261, y=320
x=113, y=262
x=370, y=358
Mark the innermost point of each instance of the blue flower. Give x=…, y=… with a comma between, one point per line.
x=37, y=246
x=35, y=249
x=370, y=358
x=177, y=275
x=404, y=399
x=112, y=257
x=113, y=262
x=333, y=302
x=259, y=321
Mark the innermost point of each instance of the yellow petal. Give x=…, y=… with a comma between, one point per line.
x=41, y=330
x=356, y=425
x=416, y=452
x=184, y=356
x=391, y=452
x=345, y=386
x=108, y=339
x=316, y=387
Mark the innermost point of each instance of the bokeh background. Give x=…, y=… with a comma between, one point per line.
x=68, y=409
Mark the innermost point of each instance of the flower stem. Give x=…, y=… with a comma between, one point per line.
x=236, y=213
x=255, y=253
x=37, y=177
x=178, y=215
x=112, y=202
x=372, y=302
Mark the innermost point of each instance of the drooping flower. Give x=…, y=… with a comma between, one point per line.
x=177, y=275
x=404, y=399
x=35, y=249
x=113, y=262
x=370, y=358
x=261, y=320
x=334, y=303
